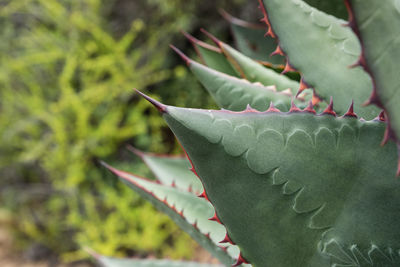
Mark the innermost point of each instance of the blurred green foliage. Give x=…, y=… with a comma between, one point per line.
x=67, y=69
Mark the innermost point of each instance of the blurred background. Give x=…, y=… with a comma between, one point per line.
x=67, y=69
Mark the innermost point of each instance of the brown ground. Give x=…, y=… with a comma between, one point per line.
x=9, y=258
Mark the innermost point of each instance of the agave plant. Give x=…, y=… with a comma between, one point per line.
x=286, y=178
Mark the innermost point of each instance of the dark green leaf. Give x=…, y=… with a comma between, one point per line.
x=296, y=189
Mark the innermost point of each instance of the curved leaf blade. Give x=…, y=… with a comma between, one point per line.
x=188, y=211
x=171, y=170
x=342, y=209
x=378, y=25
x=322, y=49
x=235, y=94
x=255, y=72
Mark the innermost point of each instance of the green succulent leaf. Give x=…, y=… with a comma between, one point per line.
x=171, y=170
x=322, y=49
x=378, y=26
x=212, y=56
x=235, y=94
x=256, y=72
x=332, y=7
x=250, y=40
x=115, y=262
x=188, y=211
x=297, y=189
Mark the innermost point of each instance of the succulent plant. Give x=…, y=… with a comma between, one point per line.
x=285, y=177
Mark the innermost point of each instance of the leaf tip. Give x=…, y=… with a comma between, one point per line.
x=161, y=107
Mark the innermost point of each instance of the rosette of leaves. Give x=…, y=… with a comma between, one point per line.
x=286, y=179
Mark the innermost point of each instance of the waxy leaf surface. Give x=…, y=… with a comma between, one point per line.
x=297, y=189
x=322, y=49
x=378, y=26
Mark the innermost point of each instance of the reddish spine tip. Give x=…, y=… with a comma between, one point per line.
x=293, y=107
x=240, y=260
x=315, y=98
x=329, y=109
x=278, y=51
x=173, y=184
x=349, y=11
x=270, y=32
x=272, y=108
x=303, y=86
x=350, y=112
x=190, y=37
x=373, y=99
x=215, y=218
x=389, y=135
x=382, y=116
x=182, y=55
x=310, y=108
x=161, y=107
x=203, y=195
x=288, y=68
x=212, y=37
x=227, y=239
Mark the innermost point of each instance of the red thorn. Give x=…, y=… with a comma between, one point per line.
x=310, y=108
x=270, y=32
x=278, y=51
x=161, y=107
x=303, y=86
x=173, y=184
x=382, y=116
x=182, y=55
x=190, y=37
x=212, y=37
x=215, y=218
x=315, y=98
x=350, y=13
x=207, y=235
x=350, y=112
x=373, y=99
x=288, y=68
x=240, y=260
x=173, y=208
x=294, y=108
x=227, y=239
x=203, y=195
x=272, y=108
x=181, y=213
x=195, y=225
x=249, y=109
x=329, y=109
x=389, y=135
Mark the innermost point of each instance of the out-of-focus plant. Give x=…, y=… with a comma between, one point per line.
x=65, y=99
